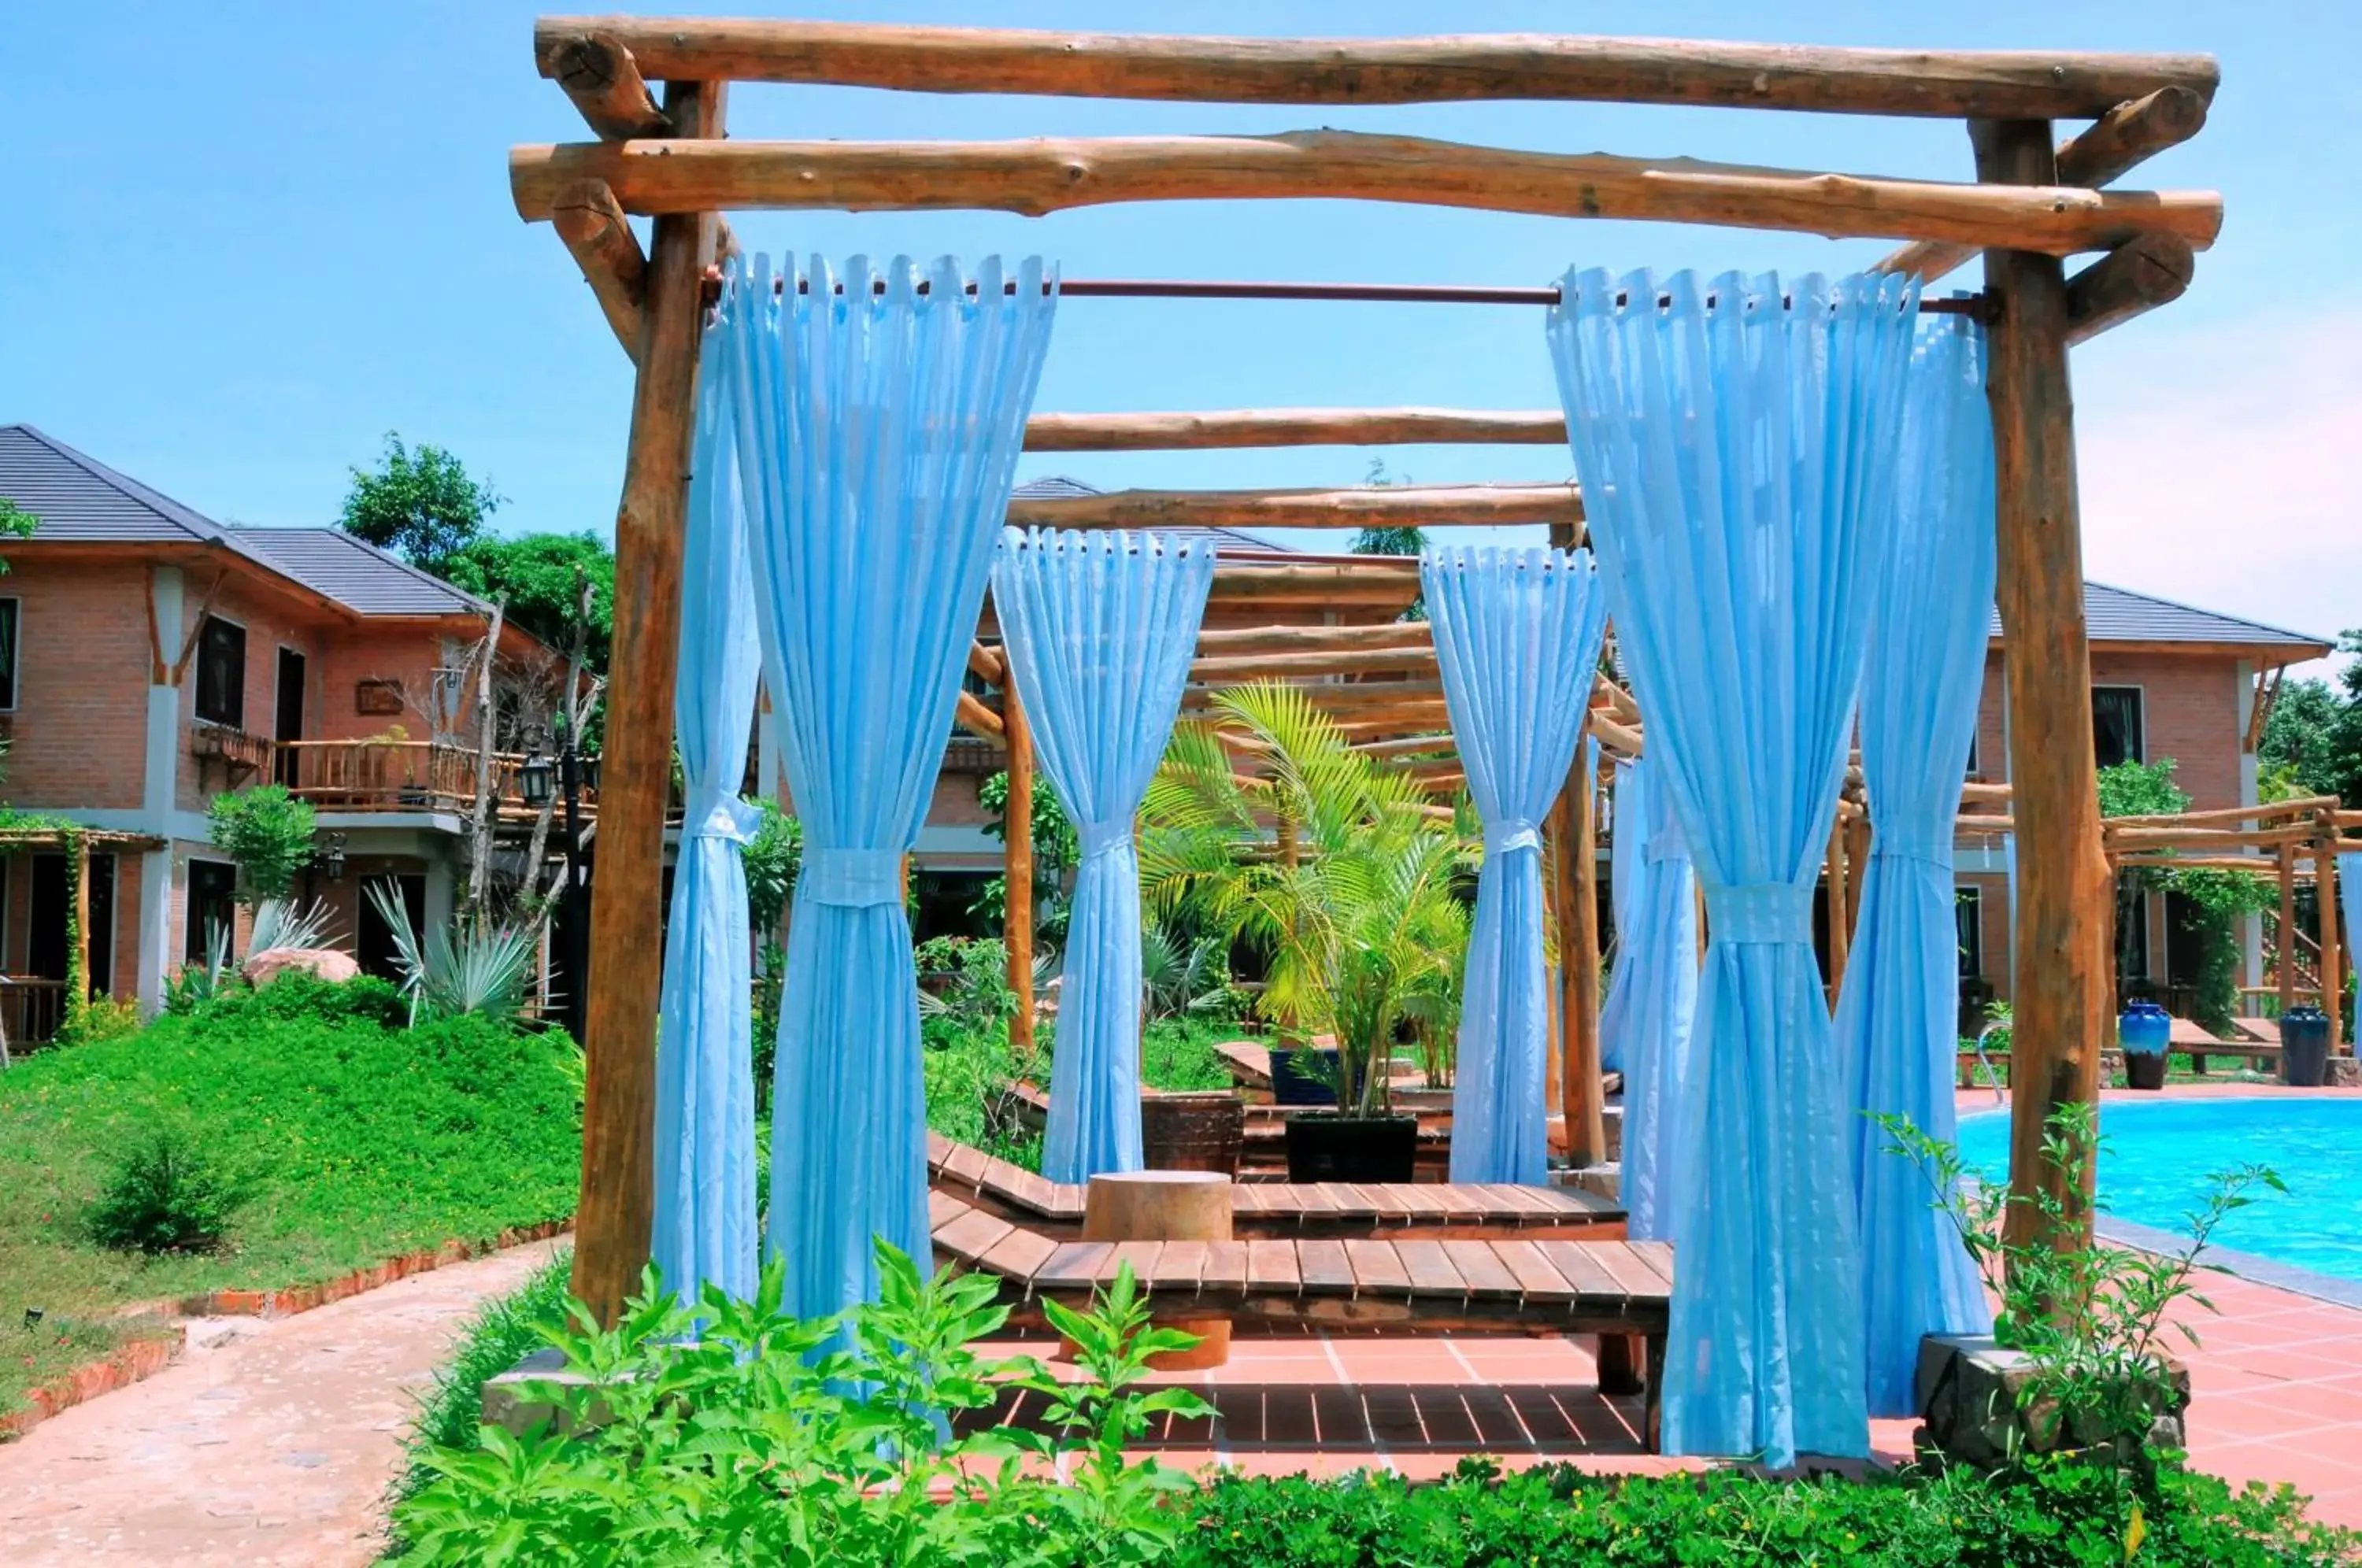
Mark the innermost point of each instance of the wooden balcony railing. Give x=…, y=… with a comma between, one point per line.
x=373, y=775
x=30, y=1010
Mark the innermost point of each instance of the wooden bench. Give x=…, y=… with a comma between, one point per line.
x=1408, y=1210
x=1621, y=1291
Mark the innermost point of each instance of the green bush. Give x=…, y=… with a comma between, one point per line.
x=166, y=1194
x=2049, y=1515
x=268, y=832
x=298, y=995
x=762, y=1439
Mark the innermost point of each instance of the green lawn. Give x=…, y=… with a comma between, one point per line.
x=359, y=1142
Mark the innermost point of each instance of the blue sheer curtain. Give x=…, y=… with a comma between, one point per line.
x=704, y=1231
x=1735, y=452
x=1653, y=994
x=878, y=439
x=1898, y=1019
x=1100, y=628
x=1517, y=637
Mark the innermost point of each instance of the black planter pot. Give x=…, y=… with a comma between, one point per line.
x=1351, y=1148
x=2145, y=1069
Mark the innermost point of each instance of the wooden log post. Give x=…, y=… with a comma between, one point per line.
x=1856, y=848
x=600, y=237
x=82, y=926
x=1578, y=939
x=617, y=1204
x=1834, y=903
x=2324, y=893
x=598, y=73
x=2284, y=942
x=1017, y=871
x=2064, y=973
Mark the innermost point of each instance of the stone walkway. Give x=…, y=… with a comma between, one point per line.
x=270, y=1442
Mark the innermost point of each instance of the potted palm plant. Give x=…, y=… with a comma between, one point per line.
x=1341, y=874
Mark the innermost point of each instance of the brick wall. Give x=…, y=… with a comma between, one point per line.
x=2189, y=711
x=79, y=731
x=271, y=621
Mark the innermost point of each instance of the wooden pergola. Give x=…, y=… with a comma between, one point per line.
x=2035, y=202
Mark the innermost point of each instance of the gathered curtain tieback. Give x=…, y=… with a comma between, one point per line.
x=715, y=812
x=1911, y=841
x=1759, y=912
x=1103, y=838
x=852, y=879
x=1510, y=833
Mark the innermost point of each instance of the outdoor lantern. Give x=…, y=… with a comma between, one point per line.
x=533, y=779
x=336, y=858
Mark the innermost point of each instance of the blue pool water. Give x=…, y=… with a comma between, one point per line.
x=2154, y=1168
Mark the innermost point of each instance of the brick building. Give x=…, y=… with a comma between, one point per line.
x=152, y=657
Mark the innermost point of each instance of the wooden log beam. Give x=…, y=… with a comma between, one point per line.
x=1411, y=745
x=2064, y=970
x=2119, y=141
x=600, y=240
x=1449, y=68
x=1364, y=696
x=1017, y=875
x=971, y=713
x=1235, y=671
x=598, y=73
x=617, y=1208
x=2130, y=281
x=1237, y=427
x=1368, y=506
x=2284, y=938
x=987, y=663
x=1580, y=1097
x=2324, y=898
x=1303, y=639
x=1055, y=175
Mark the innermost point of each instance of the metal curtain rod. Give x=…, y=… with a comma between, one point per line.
x=1383, y=294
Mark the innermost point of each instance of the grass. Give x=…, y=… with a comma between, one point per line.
x=360, y=1142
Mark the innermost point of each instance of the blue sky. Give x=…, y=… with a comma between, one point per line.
x=245, y=240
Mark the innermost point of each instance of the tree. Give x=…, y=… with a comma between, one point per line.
x=2312, y=742
x=541, y=577
x=2214, y=900
x=268, y=832
x=421, y=504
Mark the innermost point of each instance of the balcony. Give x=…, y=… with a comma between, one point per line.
x=377, y=775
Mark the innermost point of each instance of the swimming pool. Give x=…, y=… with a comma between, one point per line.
x=2154, y=1170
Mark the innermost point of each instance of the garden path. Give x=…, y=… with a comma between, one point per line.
x=270, y=1442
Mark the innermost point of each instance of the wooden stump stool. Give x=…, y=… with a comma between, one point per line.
x=1166, y=1205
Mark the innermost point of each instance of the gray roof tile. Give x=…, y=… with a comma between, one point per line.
x=2119, y=615
x=80, y=500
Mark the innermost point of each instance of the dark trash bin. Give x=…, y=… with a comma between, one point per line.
x=2305, y=1047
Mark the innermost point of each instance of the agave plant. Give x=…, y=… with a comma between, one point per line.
x=283, y=923
x=1339, y=870
x=475, y=967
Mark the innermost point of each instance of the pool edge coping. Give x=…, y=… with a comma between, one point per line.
x=2254, y=1267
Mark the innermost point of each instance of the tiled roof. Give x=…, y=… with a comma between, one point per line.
x=2120, y=615
x=1227, y=541
x=358, y=576
x=80, y=500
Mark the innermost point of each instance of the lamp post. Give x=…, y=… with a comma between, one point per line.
x=574, y=772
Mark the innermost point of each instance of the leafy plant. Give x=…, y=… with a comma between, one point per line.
x=760, y=1438
x=770, y=980
x=165, y=1193
x=773, y=858
x=2214, y=900
x=1183, y=978
x=475, y=967
x=1352, y=898
x=268, y=832
x=2090, y=1318
x=1057, y=850
x=97, y=1019
x=197, y=983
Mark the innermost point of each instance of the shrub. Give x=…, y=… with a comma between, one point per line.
x=268, y=832
x=99, y=1019
x=296, y=994
x=766, y=1440
x=166, y=1194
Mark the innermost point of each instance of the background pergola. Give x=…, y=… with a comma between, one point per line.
x=2035, y=202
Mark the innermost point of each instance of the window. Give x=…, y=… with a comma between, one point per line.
x=1968, y=930
x=221, y=673
x=1975, y=741
x=8, y=654
x=213, y=902
x=2116, y=726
